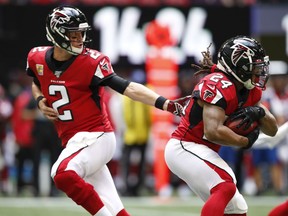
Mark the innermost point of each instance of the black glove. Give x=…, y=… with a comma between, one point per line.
x=249, y=115
x=177, y=106
x=252, y=137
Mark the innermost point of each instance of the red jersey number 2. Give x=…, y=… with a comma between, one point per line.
x=53, y=89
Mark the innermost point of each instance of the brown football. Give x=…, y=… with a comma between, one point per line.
x=233, y=126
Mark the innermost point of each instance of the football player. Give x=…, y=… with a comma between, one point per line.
x=69, y=81
x=235, y=82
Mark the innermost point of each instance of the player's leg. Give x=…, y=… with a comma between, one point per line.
x=105, y=187
x=224, y=197
x=98, y=174
x=237, y=206
x=220, y=196
x=70, y=170
x=81, y=192
x=205, y=172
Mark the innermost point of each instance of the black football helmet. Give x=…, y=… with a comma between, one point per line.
x=62, y=20
x=245, y=59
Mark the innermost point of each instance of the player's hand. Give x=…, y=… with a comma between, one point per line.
x=249, y=115
x=252, y=137
x=49, y=112
x=177, y=106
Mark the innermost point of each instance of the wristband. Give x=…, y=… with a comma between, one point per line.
x=159, y=103
x=38, y=99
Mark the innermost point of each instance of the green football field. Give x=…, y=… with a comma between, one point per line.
x=144, y=206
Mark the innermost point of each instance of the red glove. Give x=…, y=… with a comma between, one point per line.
x=177, y=106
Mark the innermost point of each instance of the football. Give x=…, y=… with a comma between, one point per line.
x=234, y=123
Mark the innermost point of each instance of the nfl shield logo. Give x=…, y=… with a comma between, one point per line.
x=40, y=69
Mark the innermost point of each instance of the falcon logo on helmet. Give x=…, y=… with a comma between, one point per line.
x=58, y=18
x=240, y=51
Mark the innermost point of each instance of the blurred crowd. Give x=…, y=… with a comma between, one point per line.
x=27, y=138
x=29, y=144
x=183, y=3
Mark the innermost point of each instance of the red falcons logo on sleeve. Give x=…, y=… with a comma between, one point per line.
x=207, y=94
x=103, y=68
x=104, y=65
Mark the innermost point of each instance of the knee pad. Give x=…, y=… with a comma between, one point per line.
x=237, y=205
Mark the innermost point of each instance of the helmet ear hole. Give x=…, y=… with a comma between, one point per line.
x=62, y=20
x=239, y=55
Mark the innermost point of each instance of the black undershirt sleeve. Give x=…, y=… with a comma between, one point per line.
x=29, y=72
x=36, y=81
x=116, y=83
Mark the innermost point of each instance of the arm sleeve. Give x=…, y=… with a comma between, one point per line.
x=29, y=72
x=116, y=83
x=36, y=81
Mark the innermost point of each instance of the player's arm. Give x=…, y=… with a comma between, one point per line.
x=135, y=91
x=214, y=129
x=261, y=114
x=49, y=112
x=139, y=92
x=268, y=124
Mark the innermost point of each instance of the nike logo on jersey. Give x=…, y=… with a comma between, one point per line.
x=102, y=62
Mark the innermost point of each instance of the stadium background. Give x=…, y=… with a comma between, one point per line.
x=23, y=27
